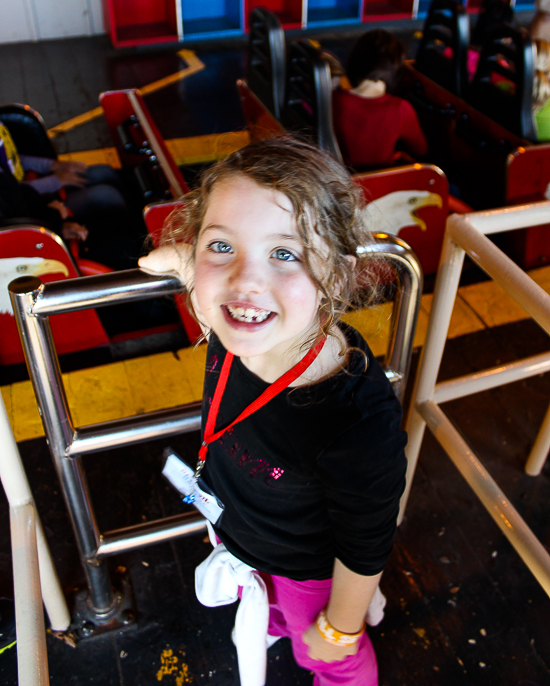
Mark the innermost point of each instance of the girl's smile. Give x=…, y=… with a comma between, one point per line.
x=251, y=285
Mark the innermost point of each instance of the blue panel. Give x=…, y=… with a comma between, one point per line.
x=213, y=15
x=333, y=11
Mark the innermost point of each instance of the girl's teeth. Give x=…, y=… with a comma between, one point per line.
x=248, y=314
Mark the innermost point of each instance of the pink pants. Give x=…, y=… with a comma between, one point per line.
x=293, y=607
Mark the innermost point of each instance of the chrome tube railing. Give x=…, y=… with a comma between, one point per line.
x=406, y=306
x=33, y=302
x=465, y=234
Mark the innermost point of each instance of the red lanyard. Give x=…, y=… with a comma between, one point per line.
x=269, y=393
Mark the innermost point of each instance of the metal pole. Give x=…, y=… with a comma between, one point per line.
x=406, y=305
x=541, y=447
x=530, y=549
x=448, y=277
x=500, y=267
x=491, y=378
x=18, y=492
x=32, y=657
x=84, y=292
x=145, y=427
x=45, y=374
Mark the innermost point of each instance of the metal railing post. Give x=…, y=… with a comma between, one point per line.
x=45, y=373
x=448, y=277
x=468, y=233
x=406, y=305
x=33, y=302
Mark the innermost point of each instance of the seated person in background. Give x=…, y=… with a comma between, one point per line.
x=492, y=14
x=100, y=220
x=540, y=25
x=541, y=105
x=83, y=189
x=370, y=123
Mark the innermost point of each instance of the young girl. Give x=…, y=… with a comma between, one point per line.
x=310, y=480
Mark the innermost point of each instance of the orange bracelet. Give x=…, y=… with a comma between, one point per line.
x=332, y=635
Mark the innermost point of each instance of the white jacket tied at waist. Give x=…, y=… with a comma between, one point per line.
x=217, y=582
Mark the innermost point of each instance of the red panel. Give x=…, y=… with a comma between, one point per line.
x=130, y=12
x=528, y=180
x=48, y=258
x=289, y=12
x=421, y=198
x=259, y=120
x=117, y=108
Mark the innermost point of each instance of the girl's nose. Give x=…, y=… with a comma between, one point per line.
x=248, y=275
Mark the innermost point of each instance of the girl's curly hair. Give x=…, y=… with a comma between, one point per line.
x=325, y=202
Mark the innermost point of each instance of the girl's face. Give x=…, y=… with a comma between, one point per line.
x=251, y=284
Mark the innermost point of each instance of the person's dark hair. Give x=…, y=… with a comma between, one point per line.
x=492, y=14
x=376, y=56
x=325, y=201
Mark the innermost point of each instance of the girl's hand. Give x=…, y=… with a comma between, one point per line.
x=322, y=650
x=168, y=258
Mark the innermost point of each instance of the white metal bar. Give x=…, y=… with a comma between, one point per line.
x=491, y=259
x=18, y=492
x=510, y=218
x=32, y=657
x=493, y=499
x=491, y=378
x=541, y=448
x=159, y=152
x=448, y=277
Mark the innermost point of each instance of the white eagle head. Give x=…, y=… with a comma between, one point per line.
x=394, y=211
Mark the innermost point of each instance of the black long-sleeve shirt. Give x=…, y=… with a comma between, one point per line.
x=314, y=475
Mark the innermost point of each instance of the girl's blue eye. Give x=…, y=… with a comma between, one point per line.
x=284, y=255
x=219, y=247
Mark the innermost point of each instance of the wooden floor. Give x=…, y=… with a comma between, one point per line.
x=463, y=610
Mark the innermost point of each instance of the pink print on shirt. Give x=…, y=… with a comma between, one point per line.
x=259, y=467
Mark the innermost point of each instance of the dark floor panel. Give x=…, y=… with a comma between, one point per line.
x=63, y=79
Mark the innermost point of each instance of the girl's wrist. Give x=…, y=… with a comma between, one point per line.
x=333, y=635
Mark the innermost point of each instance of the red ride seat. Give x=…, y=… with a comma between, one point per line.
x=33, y=250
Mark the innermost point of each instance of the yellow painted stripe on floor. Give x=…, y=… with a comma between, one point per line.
x=83, y=118
x=464, y=319
x=6, y=397
x=492, y=304
x=194, y=65
x=98, y=156
x=374, y=326
x=208, y=148
x=113, y=391
x=166, y=379
x=146, y=384
x=26, y=422
x=185, y=151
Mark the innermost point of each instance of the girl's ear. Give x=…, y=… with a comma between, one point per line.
x=352, y=260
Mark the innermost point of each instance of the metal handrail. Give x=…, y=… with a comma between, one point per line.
x=33, y=302
x=465, y=234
